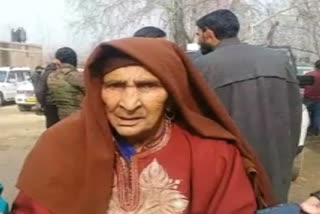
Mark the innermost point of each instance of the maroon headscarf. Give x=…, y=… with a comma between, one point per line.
x=70, y=169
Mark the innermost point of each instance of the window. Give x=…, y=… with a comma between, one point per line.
x=3, y=76
x=20, y=76
x=27, y=75
x=12, y=76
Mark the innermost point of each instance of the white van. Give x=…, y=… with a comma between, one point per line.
x=10, y=79
x=25, y=97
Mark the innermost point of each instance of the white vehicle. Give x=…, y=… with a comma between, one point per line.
x=303, y=135
x=10, y=79
x=303, y=69
x=25, y=97
x=193, y=47
x=298, y=162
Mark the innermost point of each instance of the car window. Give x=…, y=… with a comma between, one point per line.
x=12, y=76
x=20, y=76
x=27, y=75
x=3, y=75
x=303, y=70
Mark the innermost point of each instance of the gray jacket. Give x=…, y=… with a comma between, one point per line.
x=261, y=93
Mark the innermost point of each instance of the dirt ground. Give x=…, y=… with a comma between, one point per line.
x=19, y=131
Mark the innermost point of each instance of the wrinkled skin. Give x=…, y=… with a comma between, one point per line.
x=135, y=101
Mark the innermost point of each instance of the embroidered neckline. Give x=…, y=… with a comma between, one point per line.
x=151, y=147
x=159, y=193
x=128, y=175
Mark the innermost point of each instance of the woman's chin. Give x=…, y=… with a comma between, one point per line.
x=128, y=131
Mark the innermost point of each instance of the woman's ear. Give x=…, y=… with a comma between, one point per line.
x=170, y=111
x=169, y=103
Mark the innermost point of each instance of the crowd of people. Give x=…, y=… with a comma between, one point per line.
x=148, y=128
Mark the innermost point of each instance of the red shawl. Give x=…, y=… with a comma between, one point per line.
x=70, y=169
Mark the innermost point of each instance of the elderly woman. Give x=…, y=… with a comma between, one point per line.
x=150, y=138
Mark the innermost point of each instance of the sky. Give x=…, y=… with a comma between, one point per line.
x=46, y=23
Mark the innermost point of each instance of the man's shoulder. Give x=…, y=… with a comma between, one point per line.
x=205, y=59
x=74, y=73
x=65, y=69
x=268, y=53
x=70, y=71
x=54, y=78
x=241, y=54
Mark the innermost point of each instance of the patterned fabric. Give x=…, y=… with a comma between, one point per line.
x=156, y=193
x=66, y=90
x=151, y=190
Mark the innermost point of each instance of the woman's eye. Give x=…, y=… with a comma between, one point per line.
x=147, y=86
x=115, y=85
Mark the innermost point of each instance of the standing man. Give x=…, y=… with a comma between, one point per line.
x=36, y=75
x=258, y=89
x=66, y=85
x=35, y=78
x=312, y=100
x=44, y=96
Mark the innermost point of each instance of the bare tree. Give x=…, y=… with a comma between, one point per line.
x=110, y=18
x=295, y=23
x=309, y=18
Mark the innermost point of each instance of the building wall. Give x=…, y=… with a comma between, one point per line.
x=20, y=54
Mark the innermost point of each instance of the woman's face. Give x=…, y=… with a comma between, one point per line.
x=134, y=101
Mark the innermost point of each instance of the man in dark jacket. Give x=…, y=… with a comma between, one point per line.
x=43, y=96
x=66, y=85
x=35, y=77
x=259, y=90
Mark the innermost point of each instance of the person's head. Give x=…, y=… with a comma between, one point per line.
x=317, y=65
x=39, y=69
x=150, y=32
x=216, y=26
x=134, y=99
x=67, y=55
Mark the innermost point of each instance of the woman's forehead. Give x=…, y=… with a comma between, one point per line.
x=134, y=73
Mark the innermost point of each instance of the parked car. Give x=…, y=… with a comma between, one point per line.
x=303, y=69
x=10, y=79
x=298, y=162
x=25, y=96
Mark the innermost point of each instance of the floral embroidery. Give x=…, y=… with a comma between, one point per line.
x=158, y=194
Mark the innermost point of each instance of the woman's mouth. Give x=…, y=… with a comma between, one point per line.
x=129, y=121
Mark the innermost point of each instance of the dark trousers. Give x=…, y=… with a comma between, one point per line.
x=314, y=111
x=51, y=114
